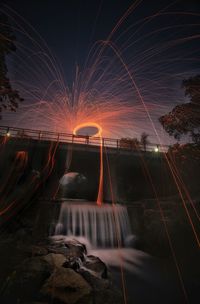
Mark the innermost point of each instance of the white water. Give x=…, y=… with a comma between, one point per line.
x=129, y=259
x=103, y=226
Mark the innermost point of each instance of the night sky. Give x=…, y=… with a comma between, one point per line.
x=71, y=28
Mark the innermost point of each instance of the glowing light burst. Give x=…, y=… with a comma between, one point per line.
x=91, y=104
x=129, y=80
x=89, y=128
x=155, y=58
x=94, y=130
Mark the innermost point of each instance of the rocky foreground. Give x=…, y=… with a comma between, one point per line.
x=59, y=271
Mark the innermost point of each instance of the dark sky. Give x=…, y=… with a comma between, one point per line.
x=71, y=26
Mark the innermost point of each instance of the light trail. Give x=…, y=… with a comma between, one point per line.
x=93, y=129
x=124, y=92
x=100, y=190
x=83, y=128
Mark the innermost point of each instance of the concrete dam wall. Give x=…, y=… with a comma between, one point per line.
x=30, y=171
x=32, y=168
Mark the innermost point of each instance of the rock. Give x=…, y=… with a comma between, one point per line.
x=55, y=260
x=73, y=262
x=77, y=244
x=103, y=290
x=96, y=265
x=72, y=178
x=37, y=251
x=69, y=248
x=94, y=281
x=78, y=249
x=67, y=286
x=72, y=185
x=61, y=249
x=26, y=281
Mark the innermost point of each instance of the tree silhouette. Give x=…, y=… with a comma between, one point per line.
x=129, y=143
x=9, y=97
x=185, y=118
x=144, y=140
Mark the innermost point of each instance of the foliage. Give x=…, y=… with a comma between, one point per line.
x=189, y=152
x=185, y=118
x=9, y=97
x=129, y=143
x=144, y=140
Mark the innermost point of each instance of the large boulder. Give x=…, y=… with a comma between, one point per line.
x=95, y=264
x=55, y=260
x=67, y=247
x=26, y=281
x=60, y=271
x=35, y=250
x=67, y=286
x=103, y=289
x=72, y=185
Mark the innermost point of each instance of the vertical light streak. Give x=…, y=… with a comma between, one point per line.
x=100, y=190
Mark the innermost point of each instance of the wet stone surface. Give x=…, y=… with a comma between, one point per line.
x=59, y=271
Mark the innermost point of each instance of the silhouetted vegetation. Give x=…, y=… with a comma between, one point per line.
x=9, y=98
x=188, y=152
x=185, y=118
x=144, y=140
x=129, y=143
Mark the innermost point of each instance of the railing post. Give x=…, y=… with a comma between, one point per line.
x=87, y=139
x=117, y=143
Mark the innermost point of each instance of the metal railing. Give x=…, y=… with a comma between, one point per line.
x=122, y=143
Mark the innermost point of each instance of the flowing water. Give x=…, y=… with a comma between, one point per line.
x=104, y=230
x=104, y=226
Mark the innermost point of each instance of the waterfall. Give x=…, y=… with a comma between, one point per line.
x=104, y=226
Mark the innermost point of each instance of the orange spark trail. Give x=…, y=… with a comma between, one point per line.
x=100, y=191
x=117, y=232
x=97, y=134
x=157, y=199
x=113, y=47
